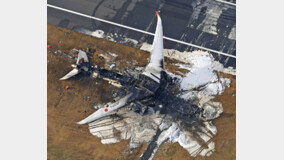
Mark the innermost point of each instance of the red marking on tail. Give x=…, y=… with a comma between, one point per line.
x=157, y=14
x=106, y=110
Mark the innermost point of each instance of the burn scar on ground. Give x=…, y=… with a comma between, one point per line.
x=200, y=85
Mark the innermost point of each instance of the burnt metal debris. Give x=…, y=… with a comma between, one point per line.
x=148, y=96
x=148, y=92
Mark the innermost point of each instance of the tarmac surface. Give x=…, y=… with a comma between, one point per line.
x=207, y=23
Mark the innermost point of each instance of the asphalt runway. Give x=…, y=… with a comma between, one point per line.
x=206, y=23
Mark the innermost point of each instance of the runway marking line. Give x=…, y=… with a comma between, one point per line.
x=138, y=30
x=223, y=1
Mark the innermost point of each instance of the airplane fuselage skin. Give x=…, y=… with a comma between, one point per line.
x=145, y=87
x=150, y=88
x=150, y=91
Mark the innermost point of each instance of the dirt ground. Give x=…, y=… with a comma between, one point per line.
x=67, y=140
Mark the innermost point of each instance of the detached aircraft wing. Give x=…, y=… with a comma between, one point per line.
x=156, y=64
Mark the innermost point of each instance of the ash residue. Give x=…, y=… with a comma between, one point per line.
x=184, y=117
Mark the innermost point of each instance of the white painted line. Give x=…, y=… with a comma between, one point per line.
x=138, y=30
x=196, y=46
x=230, y=3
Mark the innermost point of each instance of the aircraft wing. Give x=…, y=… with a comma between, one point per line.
x=70, y=74
x=156, y=64
x=105, y=111
x=82, y=56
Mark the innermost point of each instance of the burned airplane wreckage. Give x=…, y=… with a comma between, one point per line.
x=151, y=99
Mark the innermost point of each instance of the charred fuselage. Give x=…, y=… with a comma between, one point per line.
x=147, y=93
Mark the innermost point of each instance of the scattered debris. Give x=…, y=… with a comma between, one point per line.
x=101, y=57
x=66, y=87
x=201, y=84
x=91, y=50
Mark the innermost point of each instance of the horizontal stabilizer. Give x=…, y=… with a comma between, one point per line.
x=72, y=73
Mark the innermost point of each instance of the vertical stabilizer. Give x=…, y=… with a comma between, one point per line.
x=82, y=56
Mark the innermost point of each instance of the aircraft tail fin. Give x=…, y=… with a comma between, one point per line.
x=82, y=56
